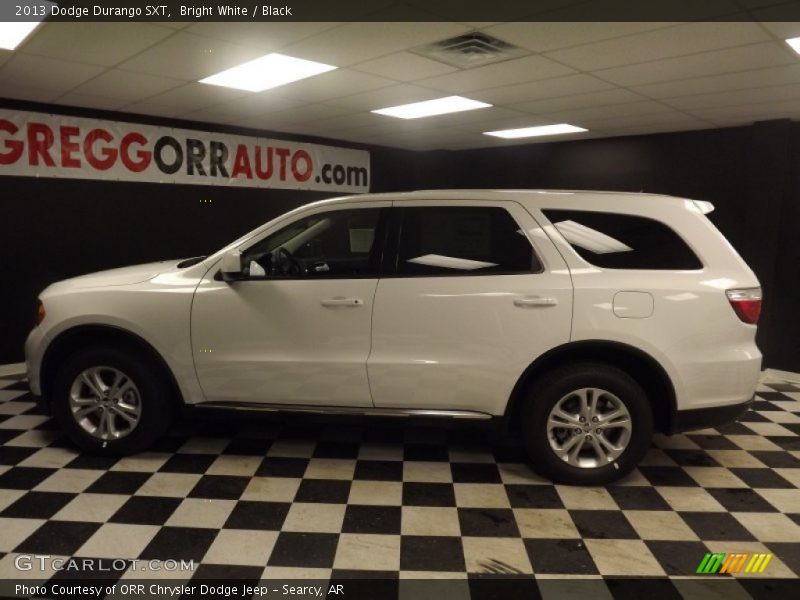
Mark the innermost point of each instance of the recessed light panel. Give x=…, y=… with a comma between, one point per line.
x=13, y=33
x=429, y=108
x=794, y=43
x=267, y=72
x=524, y=132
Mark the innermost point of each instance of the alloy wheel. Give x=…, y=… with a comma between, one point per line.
x=105, y=403
x=589, y=428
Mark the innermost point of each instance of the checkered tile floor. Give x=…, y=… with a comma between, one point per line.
x=308, y=498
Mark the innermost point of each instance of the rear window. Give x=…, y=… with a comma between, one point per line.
x=617, y=241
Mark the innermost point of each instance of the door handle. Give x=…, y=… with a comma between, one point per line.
x=535, y=301
x=342, y=302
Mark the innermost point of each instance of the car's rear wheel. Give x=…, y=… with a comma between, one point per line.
x=111, y=400
x=586, y=424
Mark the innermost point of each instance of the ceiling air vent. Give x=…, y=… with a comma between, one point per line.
x=470, y=50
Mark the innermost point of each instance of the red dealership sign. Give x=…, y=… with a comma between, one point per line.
x=45, y=145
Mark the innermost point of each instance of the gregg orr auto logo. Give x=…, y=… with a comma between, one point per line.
x=34, y=144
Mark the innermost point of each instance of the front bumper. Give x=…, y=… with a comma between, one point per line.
x=702, y=418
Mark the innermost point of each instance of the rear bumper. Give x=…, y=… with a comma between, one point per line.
x=701, y=418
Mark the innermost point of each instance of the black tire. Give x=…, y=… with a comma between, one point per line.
x=154, y=390
x=542, y=396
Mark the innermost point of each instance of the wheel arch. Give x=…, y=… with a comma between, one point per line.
x=642, y=367
x=81, y=336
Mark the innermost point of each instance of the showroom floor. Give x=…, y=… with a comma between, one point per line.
x=309, y=498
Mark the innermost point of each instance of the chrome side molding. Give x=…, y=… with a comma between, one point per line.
x=346, y=410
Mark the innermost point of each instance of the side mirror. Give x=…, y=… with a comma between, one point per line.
x=231, y=265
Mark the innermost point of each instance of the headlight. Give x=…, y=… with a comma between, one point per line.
x=40, y=312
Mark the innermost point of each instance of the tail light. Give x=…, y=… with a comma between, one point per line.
x=39, y=312
x=746, y=304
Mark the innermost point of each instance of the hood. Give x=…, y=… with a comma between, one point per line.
x=121, y=276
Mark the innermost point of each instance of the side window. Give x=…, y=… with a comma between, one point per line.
x=462, y=240
x=336, y=244
x=617, y=241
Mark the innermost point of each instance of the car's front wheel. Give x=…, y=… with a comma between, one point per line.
x=587, y=424
x=111, y=400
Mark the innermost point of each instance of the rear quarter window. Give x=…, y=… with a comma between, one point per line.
x=619, y=241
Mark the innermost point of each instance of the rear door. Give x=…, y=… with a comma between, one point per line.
x=472, y=293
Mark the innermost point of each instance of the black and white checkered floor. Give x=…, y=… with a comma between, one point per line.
x=304, y=498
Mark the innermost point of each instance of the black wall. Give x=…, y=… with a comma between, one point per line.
x=56, y=228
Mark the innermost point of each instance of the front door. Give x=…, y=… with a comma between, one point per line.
x=296, y=329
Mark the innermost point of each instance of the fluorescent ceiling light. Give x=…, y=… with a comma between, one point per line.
x=535, y=131
x=590, y=239
x=267, y=72
x=429, y=108
x=450, y=262
x=12, y=34
x=794, y=43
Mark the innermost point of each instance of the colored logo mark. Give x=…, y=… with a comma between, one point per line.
x=735, y=562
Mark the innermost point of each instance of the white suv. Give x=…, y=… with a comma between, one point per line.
x=585, y=319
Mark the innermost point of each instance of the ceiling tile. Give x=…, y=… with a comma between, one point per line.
x=722, y=83
x=602, y=98
x=190, y=57
x=754, y=97
x=388, y=96
x=194, y=96
x=298, y=114
x=267, y=36
x=538, y=90
x=783, y=30
x=404, y=66
x=668, y=127
x=543, y=36
x=355, y=42
x=52, y=77
x=748, y=113
x=662, y=43
x=473, y=117
x=510, y=122
x=24, y=92
x=348, y=121
x=126, y=85
x=384, y=129
x=295, y=128
x=91, y=101
x=238, y=109
x=673, y=118
x=510, y=72
x=333, y=84
x=730, y=60
x=687, y=76
x=576, y=116
x=95, y=43
x=147, y=107
x=212, y=115
x=5, y=55
x=489, y=141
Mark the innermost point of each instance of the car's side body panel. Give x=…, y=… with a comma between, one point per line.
x=275, y=341
x=479, y=343
x=461, y=341
x=156, y=310
x=708, y=353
